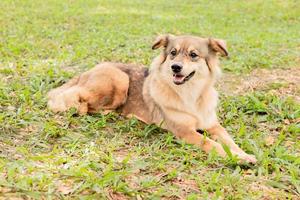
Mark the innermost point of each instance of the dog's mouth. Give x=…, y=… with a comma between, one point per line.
x=179, y=79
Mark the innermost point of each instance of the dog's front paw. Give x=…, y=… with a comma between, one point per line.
x=248, y=158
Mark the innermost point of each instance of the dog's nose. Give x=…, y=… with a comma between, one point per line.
x=176, y=68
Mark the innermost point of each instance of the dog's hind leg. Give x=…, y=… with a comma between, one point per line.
x=119, y=97
x=105, y=89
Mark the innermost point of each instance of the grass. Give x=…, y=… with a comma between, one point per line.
x=43, y=155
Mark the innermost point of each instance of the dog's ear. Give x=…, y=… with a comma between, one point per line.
x=218, y=46
x=160, y=41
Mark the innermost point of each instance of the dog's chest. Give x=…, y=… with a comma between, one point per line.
x=199, y=104
x=190, y=98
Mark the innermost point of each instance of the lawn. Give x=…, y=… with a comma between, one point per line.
x=66, y=156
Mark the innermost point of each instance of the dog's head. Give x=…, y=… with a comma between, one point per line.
x=184, y=58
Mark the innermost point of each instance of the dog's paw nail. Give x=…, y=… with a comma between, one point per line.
x=247, y=158
x=250, y=159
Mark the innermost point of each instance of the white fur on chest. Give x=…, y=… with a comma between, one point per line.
x=199, y=102
x=189, y=96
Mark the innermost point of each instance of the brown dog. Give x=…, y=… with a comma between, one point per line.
x=177, y=92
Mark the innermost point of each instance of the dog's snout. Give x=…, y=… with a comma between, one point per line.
x=176, y=68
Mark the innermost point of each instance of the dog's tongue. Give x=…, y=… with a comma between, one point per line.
x=178, y=78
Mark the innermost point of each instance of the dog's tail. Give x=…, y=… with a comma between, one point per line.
x=57, y=97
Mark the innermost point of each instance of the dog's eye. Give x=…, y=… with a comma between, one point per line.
x=173, y=52
x=193, y=55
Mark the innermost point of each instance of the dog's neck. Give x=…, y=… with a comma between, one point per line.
x=193, y=89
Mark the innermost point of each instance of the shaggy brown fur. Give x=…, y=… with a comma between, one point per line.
x=182, y=100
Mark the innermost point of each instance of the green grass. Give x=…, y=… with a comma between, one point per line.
x=43, y=155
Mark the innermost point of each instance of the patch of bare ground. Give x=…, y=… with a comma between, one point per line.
x=282, y=82
x=116, y=196
x=9, y=141
x=268, y=192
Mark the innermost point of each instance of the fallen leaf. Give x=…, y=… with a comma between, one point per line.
x=11, y=108
x=64, y=189
x=269, y=140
